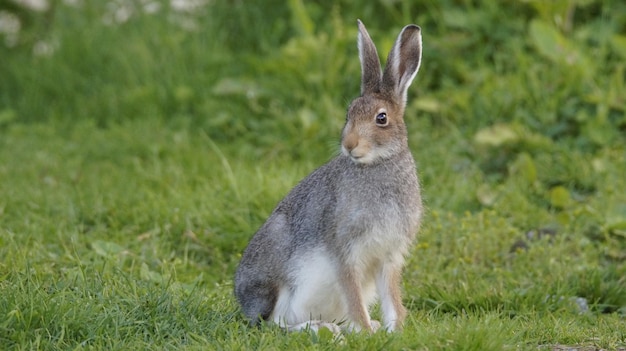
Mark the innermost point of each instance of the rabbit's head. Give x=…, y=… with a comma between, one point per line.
x=375, y=128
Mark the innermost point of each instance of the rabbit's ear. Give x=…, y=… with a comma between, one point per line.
x=403, y=63
x=371, y=74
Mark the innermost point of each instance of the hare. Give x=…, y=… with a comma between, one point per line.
x=338, y=240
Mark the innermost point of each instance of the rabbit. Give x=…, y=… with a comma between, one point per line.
x=338, y=240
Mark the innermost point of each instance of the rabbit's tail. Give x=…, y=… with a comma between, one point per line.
x=257, y=299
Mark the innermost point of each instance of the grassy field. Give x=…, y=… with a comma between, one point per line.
x=142, y=144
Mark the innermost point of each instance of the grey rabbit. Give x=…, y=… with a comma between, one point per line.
x=338, y=240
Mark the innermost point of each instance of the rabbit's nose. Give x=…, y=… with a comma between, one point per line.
x=351, y=141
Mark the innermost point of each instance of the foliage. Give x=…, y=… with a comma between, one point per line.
x=143, y=142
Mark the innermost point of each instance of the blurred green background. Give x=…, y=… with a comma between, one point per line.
x=148, y=140
x=237, y=69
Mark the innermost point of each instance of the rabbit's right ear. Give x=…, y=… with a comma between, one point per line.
x=371, y=74
x=403, y=63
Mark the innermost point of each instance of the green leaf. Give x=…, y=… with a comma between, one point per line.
x=106, y=248
x=486, y=195
x=497, y=135
x=147, y=274
x=616, y=220
x=428, y=104
x=618, y=42
x=301, y=20
x=550, y=43
x=7, y=116
x=560, y=197
x=524, y=167
x=457, y=18
x=183, y=94
x=233, y=86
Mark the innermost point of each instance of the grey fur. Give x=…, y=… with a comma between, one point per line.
x=338, y=204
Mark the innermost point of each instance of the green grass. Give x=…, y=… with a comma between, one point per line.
x=138, y=159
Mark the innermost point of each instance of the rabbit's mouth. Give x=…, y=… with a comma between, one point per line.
x=369, y=155
x=365, y=159
x=356, y=155
x=358, y=160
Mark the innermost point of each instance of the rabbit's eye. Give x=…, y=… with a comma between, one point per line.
x=381, y=119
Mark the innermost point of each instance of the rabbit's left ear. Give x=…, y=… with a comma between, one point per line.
x=371, y=74
x=403, y=63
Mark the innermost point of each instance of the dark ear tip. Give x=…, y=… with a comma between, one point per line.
x=414, y=27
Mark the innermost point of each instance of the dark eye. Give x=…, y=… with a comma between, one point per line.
x=381, y=119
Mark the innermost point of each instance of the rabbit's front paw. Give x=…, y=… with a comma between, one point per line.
x=356, y=328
